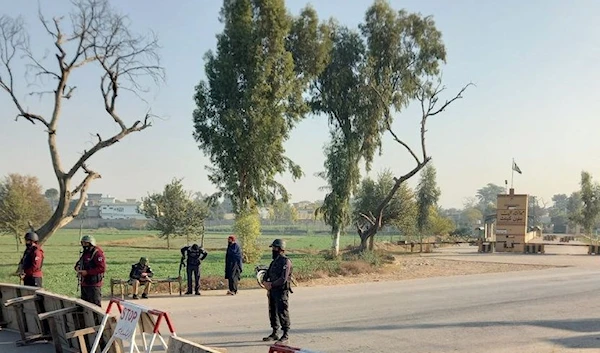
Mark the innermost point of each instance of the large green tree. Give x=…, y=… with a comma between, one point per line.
x=93, y=37
x=253, y=97
x=590, y=197
x=402, y=65
x=175, y=212
x=401, y=211
x=487, y=197
x=428, y=194
x=22, y=205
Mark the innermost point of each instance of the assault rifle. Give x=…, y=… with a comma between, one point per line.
x=78, y=267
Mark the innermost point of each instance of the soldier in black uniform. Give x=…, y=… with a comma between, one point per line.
x=277, y=281
x=195, y=255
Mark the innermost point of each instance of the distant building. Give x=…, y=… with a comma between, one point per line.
x=107, y=207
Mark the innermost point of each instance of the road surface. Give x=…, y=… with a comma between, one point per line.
x=551, y=310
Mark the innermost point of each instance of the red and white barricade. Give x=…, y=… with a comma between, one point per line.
x=278, y=348
x=134, y=316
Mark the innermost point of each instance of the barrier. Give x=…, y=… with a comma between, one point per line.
x=180, y=345
x=278, y=348
x=132, y=317
x=69, y=324
x=534, y=248
x=593, y=249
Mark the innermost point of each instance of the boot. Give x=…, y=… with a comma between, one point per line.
x=135, y=296
x=272, y=337
x=144, y=296
x=284, y=338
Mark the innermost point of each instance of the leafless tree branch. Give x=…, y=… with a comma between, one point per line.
x=97, y=34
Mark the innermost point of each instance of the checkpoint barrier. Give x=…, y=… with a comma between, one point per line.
x=133, y=317
x=180, y=345
x=534, y=249
x=278, y=348
x=69, y=324
x=593, y=249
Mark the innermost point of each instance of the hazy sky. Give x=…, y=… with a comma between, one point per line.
x=535, y=64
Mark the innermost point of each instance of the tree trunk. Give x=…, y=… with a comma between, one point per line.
x=17, y=241
x=372, y=242
x=168, y=242
x=336, y=243
x=59, y=217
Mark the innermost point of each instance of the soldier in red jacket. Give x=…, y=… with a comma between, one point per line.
x=32, y=261
x=90, y=268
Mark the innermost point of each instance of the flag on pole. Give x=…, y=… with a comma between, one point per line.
x=516, y=168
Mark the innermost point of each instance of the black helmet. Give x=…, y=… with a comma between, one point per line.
x=32, y=236
x=195, y=246
x=278, y=243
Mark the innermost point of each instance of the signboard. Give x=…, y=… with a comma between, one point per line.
x=512, y=217
x=128, y=321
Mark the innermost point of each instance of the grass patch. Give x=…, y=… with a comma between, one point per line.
x=124, y=248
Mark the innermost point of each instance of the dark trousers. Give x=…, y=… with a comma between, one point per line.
x=92, y=295
x=278, y=309
x=195, y=272
x=32, y=281
x=233, y=279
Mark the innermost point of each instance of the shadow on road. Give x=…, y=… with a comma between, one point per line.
x=579, y=325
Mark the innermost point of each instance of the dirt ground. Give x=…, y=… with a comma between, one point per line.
x=413, y=267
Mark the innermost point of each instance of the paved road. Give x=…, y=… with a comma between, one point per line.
x=551, y=310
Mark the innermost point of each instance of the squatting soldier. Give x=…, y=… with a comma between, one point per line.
x=195, y=255
x=30, y=267
x=277, y=282
x=90, y=268
x=141, y=273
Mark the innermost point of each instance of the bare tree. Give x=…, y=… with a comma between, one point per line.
x=428, y=97
x=98, y=35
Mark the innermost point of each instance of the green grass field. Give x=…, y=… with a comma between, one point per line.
x=124, y=248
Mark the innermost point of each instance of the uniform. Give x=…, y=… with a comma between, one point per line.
x=32, y=262
x=135, y=277
x=195, y=255
x=93, y=262
x=279, y=276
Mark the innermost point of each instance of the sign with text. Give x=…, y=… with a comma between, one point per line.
x=512, y=217
x=128, y=321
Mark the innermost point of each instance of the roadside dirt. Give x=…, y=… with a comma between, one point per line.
x=413, y=267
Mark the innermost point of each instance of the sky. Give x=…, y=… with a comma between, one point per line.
x=536, y=99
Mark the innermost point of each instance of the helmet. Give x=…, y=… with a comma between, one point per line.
x=32, y=236
x=195, y=246
x=88, y=239
x=143, y=260
x=278, y=243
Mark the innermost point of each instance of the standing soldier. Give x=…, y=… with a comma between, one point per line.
x=233, y=264
x=90, y=268
x=32, y=261
x=195, y=255
x=277, y=282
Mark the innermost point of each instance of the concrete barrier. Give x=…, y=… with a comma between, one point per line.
x=69, y=324
x=181, y=345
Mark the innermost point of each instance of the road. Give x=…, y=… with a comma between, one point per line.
x=551, y=310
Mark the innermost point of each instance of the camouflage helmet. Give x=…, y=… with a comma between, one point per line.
x=88, y=239
x=278, y=243
x=143, y=260
x=31, y=236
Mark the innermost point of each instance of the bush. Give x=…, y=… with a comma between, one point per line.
x=247, y=228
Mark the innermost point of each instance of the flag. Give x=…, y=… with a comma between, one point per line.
x=516, y=168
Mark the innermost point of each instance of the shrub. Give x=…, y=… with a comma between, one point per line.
x=247, y=228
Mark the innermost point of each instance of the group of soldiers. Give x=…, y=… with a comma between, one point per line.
x=91, y=266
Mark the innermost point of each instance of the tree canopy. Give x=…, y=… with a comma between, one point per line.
x=22, y=205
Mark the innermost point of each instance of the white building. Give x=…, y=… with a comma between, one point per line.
x=106, y=207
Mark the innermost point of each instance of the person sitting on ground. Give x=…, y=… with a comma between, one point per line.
x=141, y=273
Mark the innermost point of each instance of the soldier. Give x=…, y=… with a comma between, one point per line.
x=32, y=261
x=141, y=273
x=195, y=255
x=277, y=282
x=90, y=268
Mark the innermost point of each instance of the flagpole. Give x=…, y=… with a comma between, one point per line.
x=512, y=175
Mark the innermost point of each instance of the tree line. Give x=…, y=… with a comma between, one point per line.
x=270, y=69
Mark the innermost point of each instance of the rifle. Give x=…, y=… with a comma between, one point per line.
x=79, y=263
